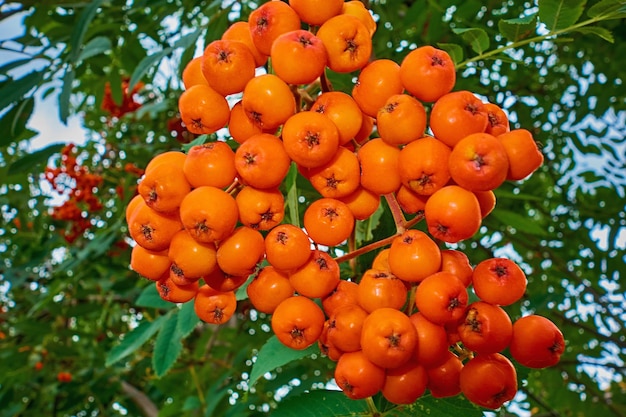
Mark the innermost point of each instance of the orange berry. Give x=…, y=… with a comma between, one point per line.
x=428, y=73
x=240, y=31
x=378, y=81
x=311, y=139
x=316, y=12
x=228, y=66
x=262, y=161
x=328, y=221
x=267, y=100
x=269, y=21
x=203, y=110
x=348, y=43
x=293, y=48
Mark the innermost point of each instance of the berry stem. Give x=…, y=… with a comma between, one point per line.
x=352, y=248
x=367, y=248
x=415, y=220
x=372, y=407
x=396, y=212
x=410, y=307
x=196, y=382
x=233, y=186
x=325, y=83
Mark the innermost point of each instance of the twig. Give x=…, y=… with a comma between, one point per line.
x=142, y=401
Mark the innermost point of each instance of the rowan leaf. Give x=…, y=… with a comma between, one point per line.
x=321, y=403
x=134, y=340
x=608, y=9
x=477, y=38
x=274, y=354
x=560, y=14
x=168, y=346
x=519, y=28
x=603, y=33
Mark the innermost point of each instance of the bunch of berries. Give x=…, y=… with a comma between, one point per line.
x=129, y=102
x=208, y=221
x=78, y=185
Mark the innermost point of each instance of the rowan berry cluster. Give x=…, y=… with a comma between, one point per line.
x=129, y=103
x=78, y=185
x=210, y=220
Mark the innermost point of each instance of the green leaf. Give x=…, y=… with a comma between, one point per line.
x=145, y=65
x=150, y=298
x=66, y=94
x=274, y=354
x=455, y=51
x=560, y=14
x=189, y=39
x=608, y=9
x=96, y=46
x=216, y=393
x=115, y=83
x=321, y=403
x=197, y=141
x=134, y=340
x=477, y=38
x=599, y=31
x=78, y=34
x=168, y=346
x=519, y=222
x=520, y=28
x=439, y=407
x=241, y=293
x=187, y=319
x=14, y=90
x=13, y=123
x=9, y=65
x=365, y=228
x=30, y=161
x=292, y=195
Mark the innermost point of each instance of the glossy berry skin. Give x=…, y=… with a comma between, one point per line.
x=537, y=342
x=489, y=380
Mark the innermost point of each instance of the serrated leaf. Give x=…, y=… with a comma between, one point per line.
x=608, y=9
x=78, y=34
x=364, y=231
x=150, y=298
x=519, y=222
x=14, y=90
x=274, y=354
x=560, y=14
x=320, y=403
x=604, y=33
x=66, y=94
x=439, y=407
x=146, y=65
x=134, y=340
x=95, y=46
x=516, y=29
x=477, y=38
x=31, y=160
x=187, y=319
x=292, y=195
x=168, y=346
x=455, y=51
x=197, y=141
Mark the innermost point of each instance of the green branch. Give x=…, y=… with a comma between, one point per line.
x=539, y=38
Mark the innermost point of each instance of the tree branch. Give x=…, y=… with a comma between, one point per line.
x=140, y=399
